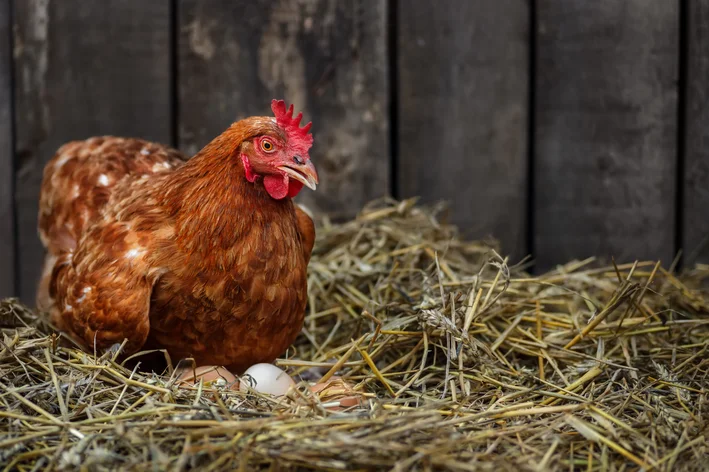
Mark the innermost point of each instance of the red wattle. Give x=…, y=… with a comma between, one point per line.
x=276, y=186
x=294, y=187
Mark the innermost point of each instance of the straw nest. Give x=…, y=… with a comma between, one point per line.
x=464, y=362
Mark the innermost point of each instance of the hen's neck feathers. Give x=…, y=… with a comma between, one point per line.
x=210, y=198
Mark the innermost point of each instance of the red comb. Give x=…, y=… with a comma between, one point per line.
x=284, y=118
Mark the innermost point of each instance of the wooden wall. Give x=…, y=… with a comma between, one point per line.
x=7, y=210
x=605, y=142
x=565, y=128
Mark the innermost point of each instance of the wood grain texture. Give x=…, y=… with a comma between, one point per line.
x=696, y=165
x=327, y=57
x=463, y=109
x=606, y=133
x=83, y=69
x=7, y=229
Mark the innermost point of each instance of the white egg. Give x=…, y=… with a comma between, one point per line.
x=266, y=378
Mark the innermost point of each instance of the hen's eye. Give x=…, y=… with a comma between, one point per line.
x=267, y=145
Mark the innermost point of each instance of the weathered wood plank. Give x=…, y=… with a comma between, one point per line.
x=83, y=69
x=606, y=134
x=7, y=219
x=327, y=57
x=696, y=165
x=463, y=109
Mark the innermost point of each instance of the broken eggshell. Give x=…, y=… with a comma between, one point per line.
x=337, y=394
x=210, y=375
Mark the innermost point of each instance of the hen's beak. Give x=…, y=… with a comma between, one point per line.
x=304, y=173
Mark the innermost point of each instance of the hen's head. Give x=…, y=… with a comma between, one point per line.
x=276, y=150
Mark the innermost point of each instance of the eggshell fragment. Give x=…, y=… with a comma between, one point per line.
x=210, y=375
x=337, y=394
x=266, y=378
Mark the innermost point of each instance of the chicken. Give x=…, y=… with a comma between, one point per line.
x=205, y=257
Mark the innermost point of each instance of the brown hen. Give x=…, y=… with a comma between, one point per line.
x=204, y=257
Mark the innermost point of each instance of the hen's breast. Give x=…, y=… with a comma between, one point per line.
x=233, y=307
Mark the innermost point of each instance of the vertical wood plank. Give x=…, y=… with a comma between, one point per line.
x=463, y=109
x=7, y=219
x=327, y=57
x=83, y=69
x=606, y=134
x=696, y=164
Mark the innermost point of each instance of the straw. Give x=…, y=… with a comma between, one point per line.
x=462, y=361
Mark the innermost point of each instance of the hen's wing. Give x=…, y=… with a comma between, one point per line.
x=77, y=184
x=306, y=228
x=79, y=179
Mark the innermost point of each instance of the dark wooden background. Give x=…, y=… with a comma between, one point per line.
x=565, y=128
